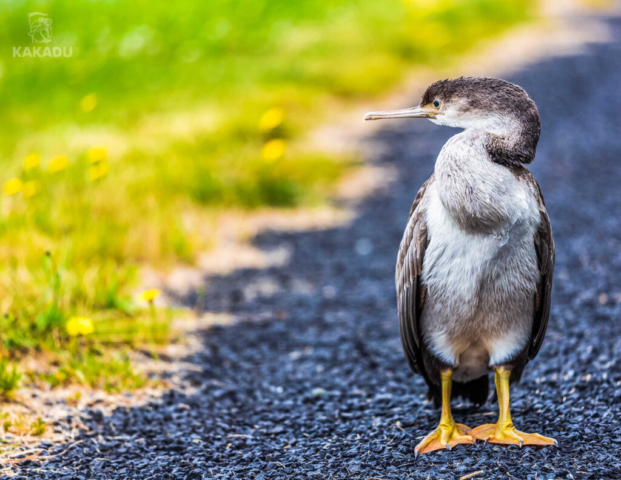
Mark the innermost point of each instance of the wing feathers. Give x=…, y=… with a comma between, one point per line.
x=410, y=291
x=544, y=245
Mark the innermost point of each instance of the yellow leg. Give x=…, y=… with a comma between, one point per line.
x=504, y=431
x=448, y=434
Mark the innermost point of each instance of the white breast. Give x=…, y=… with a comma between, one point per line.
x=480, y=285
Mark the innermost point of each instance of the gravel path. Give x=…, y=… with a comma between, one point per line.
x=318, y=388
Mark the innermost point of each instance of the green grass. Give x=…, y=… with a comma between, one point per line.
x=108, y=371
x=160, y=121
x=21, y=424
x=38, y=427
x=9, y=379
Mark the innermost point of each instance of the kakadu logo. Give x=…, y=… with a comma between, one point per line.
x=41, y=32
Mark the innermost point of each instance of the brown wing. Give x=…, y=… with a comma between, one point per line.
x=544, y=245
x=410, y=291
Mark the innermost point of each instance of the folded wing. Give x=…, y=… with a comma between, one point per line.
x=411, y=292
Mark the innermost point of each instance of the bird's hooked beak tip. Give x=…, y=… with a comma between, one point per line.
x=414, y=112
x=369, y=116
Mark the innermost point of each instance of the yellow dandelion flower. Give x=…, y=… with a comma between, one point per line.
x=79, y=326
x=96, y=154
x=99, y=170
x=32, y=161
x=30, y=189
x=58, y=163
x=13, y=186
x=271, y=119
x=274, y=149
x=151, y=294
x=88, y=103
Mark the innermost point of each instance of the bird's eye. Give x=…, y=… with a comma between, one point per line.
x=436, y=103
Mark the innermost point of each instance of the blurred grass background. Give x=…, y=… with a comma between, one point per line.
x=165, y=116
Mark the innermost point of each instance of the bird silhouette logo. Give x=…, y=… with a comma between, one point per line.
x=40, y=27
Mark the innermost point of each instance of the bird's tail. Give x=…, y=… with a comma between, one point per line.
x=476, y=391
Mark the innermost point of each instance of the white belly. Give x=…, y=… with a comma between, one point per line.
x=479, y=308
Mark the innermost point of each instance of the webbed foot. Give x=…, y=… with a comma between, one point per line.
x=509, y=435
x=445, y=436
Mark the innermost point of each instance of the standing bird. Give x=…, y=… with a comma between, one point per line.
x=474, y=269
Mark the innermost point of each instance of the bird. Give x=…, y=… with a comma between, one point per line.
x=475, y=264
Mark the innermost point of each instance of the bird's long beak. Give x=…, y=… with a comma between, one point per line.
x=414, y=112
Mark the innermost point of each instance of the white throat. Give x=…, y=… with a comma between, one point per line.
x=501, y=125
x=480, y=195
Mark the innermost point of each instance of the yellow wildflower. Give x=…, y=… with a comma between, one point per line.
x=13, y=186
x=88, y=103
x=151, y=294
x=274, y=149
x=96, y=154
x=271, y=119
x=32, y=161
x=29, y=189
x=58, y=163
x=79, y=326
x=98, y=170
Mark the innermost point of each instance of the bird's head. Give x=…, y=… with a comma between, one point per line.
x=500, y=109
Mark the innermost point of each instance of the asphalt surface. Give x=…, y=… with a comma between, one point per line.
x=312, y=383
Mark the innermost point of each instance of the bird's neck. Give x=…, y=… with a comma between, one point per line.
x=512, y=149
x=477, y=192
